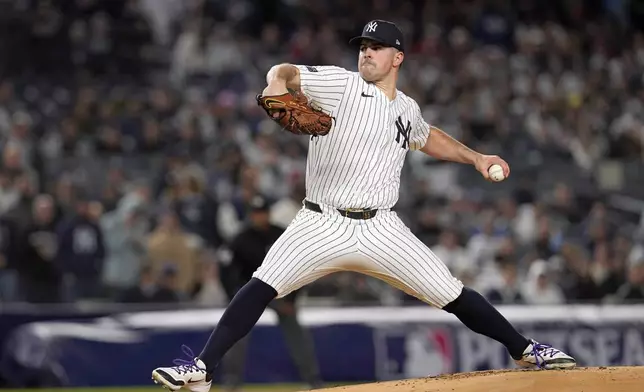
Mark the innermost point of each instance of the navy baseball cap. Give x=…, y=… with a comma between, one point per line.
x=383, y=32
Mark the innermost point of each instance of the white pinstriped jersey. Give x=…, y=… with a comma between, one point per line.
x=358, y=164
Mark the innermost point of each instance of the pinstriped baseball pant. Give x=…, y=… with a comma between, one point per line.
x=317, y=244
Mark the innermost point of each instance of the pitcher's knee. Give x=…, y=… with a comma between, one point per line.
x=262, y=290
x=439, y=297
x=466, y=299
x=274, y=281
x=265, y=278
x=449, y=293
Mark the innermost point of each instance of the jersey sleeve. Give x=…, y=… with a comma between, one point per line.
x=324, y=85
x=420, y=130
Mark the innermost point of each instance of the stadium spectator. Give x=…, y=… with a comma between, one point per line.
x=539, y=287
x=81, y=253
x=170, y=245
x=209, y=291
x=8, y=259
x=125, y=230
x=509, y=290
x=284, y=210
x=166, y=93
x=633, y=290
x=152, y=289
x=40, y=277
x=450, y=251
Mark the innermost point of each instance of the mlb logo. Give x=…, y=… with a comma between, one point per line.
x=413, y=351
x=429, y=352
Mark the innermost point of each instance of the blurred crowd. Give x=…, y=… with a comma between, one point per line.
x=131, y=143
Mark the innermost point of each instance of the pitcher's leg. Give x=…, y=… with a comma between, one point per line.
x=409, y=261
x=291, y=262
x=481, y=317
x=238, y=319
x=300, y=257
x=296, y=259
x=195, y=373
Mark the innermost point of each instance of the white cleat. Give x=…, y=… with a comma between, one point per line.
x=190, y=374
x=543, y=356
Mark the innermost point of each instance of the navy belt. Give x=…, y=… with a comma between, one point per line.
x=350, y=213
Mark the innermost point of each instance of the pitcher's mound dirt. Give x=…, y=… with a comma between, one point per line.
x=603, y=379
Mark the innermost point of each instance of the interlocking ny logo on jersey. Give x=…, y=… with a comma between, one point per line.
x=403, y=131
x=371, y=27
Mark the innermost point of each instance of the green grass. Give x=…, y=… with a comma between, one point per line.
x=246, y=388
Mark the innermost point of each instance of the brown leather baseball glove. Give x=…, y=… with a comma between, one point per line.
x=294, y=113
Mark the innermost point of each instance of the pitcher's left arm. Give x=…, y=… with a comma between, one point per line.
x=442, y=146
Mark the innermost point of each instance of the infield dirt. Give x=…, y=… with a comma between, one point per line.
x=603, y=379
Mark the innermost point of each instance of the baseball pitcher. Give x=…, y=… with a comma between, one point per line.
x=361, y=127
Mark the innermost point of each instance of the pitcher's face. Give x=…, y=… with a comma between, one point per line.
x=376, y=61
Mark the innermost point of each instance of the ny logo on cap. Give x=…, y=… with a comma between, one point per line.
x=371, y=27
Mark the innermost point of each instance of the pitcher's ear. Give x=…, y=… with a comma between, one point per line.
x=398, y=58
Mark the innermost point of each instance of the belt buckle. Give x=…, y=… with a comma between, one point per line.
x=366, y=214
x=348, y=210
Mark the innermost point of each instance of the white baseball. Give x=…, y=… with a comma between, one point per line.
x=496, y=173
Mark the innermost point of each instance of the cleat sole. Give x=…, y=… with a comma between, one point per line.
x=161, y=381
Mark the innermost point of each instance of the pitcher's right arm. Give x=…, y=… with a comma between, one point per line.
x=284, y=75
x=323, y=85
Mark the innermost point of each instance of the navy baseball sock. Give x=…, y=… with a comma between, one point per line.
x=481, y=317
x=239, y=318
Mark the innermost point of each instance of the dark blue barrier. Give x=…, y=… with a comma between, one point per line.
x=94, y=361
x=352, y=345
x=9, y=320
